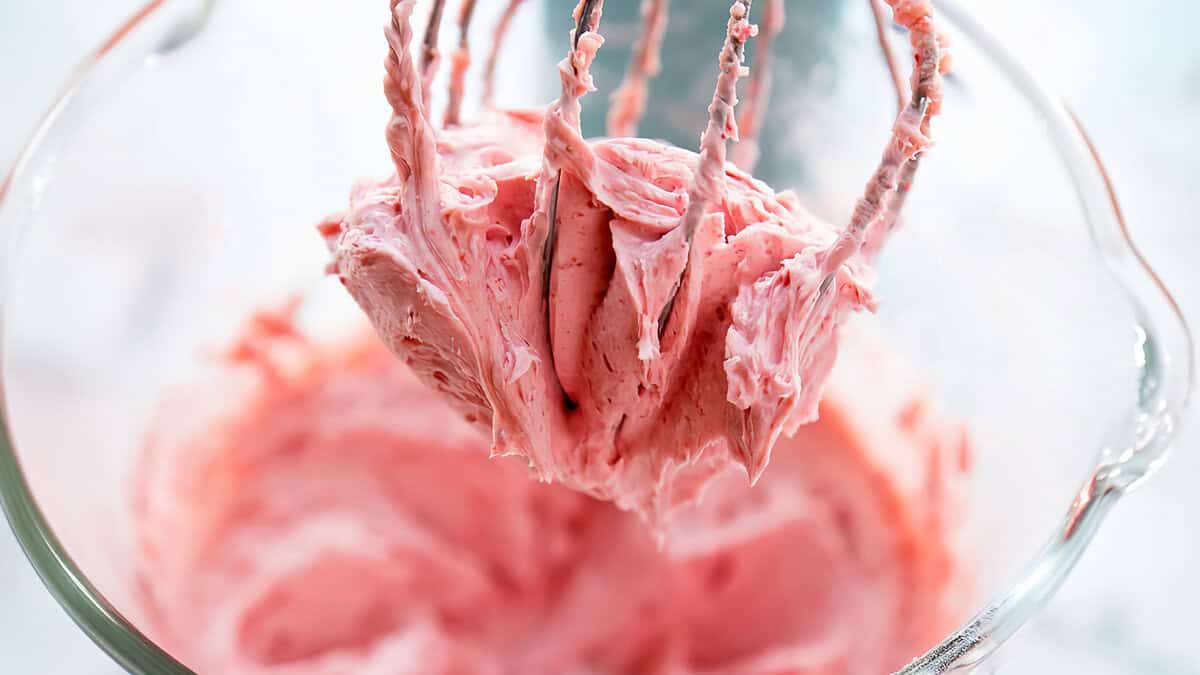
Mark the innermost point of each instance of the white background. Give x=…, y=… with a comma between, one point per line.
x=1132, y=71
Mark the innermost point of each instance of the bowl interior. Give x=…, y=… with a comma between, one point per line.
x=185, y=193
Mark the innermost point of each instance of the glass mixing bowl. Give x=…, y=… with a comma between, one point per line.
x=173, y=188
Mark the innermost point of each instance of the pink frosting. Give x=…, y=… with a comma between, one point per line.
x=571, y=370
x=312, y=510
x=638, y=324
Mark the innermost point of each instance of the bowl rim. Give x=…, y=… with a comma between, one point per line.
x=1164, y=345
x=88, y=608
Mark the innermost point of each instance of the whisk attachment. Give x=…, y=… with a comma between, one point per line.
x=459, y=64
x=876, y=211
x=587, y=20
x=910, y=136
x=881, y=19
x=709, y=179
x=629, y=99
x=499, y=33
x=429, y=48
x=754, y=109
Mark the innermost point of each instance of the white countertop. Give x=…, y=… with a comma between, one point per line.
x=1149, y=133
